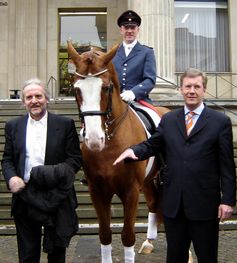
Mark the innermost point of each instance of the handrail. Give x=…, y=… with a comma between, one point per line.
x=205, y=100
x=232, y=85
x=217, y=75
x=175, y=86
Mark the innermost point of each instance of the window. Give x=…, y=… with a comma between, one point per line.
x=85, y=28
x=201, y=35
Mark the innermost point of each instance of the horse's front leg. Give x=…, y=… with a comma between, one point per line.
x=102, y=205
x=130, y=204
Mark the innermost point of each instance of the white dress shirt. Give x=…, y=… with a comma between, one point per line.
x=128, y=47
x=36, y=134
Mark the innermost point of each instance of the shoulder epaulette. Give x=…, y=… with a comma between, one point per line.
x=148, y=46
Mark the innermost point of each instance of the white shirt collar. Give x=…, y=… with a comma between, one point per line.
x=197, y=111
x=42, y=121
x=130, y=45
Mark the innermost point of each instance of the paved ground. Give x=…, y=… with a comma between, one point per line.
x=86, y=249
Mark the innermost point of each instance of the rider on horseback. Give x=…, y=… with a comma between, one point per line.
x=136, y=69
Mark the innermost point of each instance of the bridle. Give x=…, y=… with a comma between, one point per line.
x=91, y=75
x=108, y=89
x=107, y=113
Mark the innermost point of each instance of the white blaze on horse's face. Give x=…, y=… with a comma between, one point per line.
x=90, y=92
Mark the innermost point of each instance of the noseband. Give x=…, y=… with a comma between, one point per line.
x=109, y=89
x=106, y=113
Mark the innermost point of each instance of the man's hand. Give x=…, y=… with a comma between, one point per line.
x=128, y=153
x=224, y=211
x=16, y=184
x=127, y=96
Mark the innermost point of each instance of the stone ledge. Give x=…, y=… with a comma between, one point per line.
x=85, y=229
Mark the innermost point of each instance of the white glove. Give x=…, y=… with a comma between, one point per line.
x=16, y=184
x=128, y=96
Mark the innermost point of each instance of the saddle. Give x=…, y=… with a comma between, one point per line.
x=148, y=115
x=151, y=119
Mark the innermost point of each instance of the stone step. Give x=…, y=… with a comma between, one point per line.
x=86, y=212
x=83, y=198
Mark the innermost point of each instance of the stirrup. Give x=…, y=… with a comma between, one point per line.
x=146, y=248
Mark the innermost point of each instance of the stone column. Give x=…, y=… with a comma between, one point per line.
x=42, y=40
x=4, y=48
x=232, y=6
x=157, y=31
x=26, y=40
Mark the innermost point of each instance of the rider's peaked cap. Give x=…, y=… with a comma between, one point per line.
x=129, y=17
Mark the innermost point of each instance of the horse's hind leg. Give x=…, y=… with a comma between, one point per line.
x=152, y=198
x=153, y=195
x=102, y=207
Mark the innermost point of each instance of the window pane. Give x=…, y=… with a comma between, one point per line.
x=202, y=37
x=85, y=29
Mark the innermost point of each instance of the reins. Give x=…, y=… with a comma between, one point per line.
x=108, y=123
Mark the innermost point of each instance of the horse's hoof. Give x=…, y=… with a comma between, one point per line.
x=146, y=248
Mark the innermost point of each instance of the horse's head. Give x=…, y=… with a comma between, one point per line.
x=94, y=80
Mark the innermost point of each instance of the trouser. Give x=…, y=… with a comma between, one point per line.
x=180, y=232
x=29, y=235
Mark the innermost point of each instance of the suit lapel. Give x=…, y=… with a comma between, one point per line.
x=20, y=137
x=121, y=52
x=134, y=52
x=181, y=123
x=201, y=122
x=21, y=133
x=51, y=141
x=136, y=49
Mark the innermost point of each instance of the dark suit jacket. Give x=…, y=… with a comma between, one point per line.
x=201, y=169
x=62, y=145
x=137, y=71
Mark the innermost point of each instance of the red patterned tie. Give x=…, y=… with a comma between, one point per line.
x=189, y=121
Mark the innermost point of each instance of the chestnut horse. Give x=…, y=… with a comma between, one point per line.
x=110, y=126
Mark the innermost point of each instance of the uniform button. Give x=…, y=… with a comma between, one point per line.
x=123, y=84
x=124, y=74
x=125, y=64
x=124, y=79
x=140, y=85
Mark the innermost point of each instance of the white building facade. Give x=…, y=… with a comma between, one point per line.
x=200, y=34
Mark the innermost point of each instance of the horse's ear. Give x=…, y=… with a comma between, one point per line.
x=107, y=57
x=72, y=52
